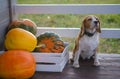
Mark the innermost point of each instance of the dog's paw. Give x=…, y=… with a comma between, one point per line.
x=96, y=63
x=76, y=65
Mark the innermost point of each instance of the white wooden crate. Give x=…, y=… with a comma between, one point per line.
x=51, y=62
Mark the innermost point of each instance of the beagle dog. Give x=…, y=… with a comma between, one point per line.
x=86, y=44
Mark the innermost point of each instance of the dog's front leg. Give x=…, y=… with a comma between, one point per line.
x=76, y=59
x=96, y=60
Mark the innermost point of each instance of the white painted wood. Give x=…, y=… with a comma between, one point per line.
x=57, y=67
x=4, y=14
x=12, y=7
x=110, y=33
x=3, y=4
x=4, y=21
x=67, y=8
x=73, y=32
x=3, y=26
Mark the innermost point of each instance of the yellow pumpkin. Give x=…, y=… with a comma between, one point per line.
x=17, y=64
x=18, y=38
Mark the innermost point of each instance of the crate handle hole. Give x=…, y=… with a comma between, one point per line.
x=46, y=63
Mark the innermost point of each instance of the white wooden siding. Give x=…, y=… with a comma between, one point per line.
x=4, y=20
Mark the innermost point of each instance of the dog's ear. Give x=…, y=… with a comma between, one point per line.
x=82, y=29
x=99, y=28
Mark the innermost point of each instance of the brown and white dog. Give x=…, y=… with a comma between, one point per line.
x=87, y=41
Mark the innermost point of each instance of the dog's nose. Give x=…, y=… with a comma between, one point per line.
x=95, y=22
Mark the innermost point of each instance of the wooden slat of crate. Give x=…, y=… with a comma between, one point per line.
x=44, y=59
x=56, y=67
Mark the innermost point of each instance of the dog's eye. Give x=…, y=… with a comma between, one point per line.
x=96, y=18
x=89, y=19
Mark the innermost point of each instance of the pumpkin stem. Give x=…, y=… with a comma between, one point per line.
x=41, y=45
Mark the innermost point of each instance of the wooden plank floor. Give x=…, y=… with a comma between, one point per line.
x=109, y=69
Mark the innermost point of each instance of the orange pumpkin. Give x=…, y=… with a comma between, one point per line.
x=25, y=24
x=18, y=38
x=17, y=64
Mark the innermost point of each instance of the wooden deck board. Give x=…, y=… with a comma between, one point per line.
x=109, y=69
